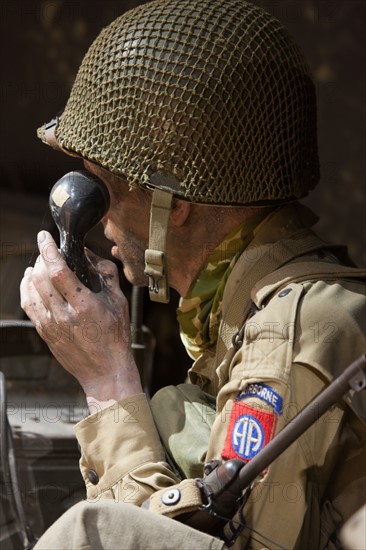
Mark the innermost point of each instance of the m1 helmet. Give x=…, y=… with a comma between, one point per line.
x=211, y=101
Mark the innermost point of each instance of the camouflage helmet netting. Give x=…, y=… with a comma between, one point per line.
x=210, y=99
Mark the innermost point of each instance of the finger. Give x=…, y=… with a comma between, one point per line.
x=61, y=277
x=48, y=249
x=50, y=296
x=30, y=300
x=33, y=305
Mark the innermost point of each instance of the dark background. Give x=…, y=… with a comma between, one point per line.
x=42, y=45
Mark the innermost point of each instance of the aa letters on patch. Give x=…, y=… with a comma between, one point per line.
x=250, y=430
x=263, y=392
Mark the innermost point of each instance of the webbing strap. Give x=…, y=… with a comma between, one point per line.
x=155, y=263
x=271, y=257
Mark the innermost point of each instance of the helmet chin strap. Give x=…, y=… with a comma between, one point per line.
x=155, y=260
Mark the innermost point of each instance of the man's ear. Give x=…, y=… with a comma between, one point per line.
x=179, y=212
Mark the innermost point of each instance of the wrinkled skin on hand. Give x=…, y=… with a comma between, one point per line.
x=88, y=333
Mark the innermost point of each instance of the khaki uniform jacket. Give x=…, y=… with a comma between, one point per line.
x=301, y=335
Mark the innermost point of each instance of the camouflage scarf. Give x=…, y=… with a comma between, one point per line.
x=199, y=313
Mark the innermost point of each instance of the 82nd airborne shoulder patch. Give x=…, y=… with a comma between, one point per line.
x=250, y=429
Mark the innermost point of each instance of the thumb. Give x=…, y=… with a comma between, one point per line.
x=92, y=257
x=109, y=272
x=106, y=268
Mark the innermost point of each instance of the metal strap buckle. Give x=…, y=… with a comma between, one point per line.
x=153, y=282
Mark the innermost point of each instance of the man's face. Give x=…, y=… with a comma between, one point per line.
x=126, y=223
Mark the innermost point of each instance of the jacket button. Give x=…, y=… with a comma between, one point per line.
x=284, y=292
x=171, y=497
x=93, y=477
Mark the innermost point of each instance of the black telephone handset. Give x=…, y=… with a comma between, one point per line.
x=78, y=201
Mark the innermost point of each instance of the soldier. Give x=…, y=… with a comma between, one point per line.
x=200, y=118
